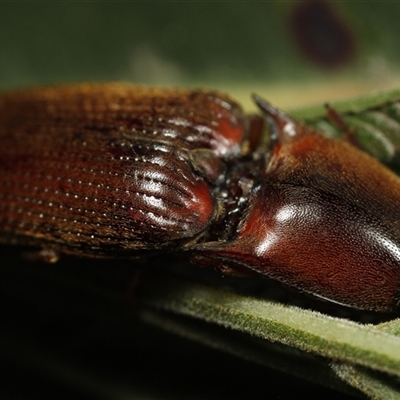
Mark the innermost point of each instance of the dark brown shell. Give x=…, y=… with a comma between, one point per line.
x=105, y=169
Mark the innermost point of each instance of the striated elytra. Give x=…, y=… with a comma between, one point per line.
x=112, y=169
x=116, y=170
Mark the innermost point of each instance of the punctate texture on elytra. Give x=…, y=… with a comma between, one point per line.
x=107, y=169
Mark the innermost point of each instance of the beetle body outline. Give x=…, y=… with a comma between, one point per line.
x=315, y=213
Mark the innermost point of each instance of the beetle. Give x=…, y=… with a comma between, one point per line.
x=114, y=170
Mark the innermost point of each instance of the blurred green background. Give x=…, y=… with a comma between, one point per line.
x=292, y=52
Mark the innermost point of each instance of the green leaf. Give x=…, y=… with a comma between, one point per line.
x=373, y=119
x=351, y=345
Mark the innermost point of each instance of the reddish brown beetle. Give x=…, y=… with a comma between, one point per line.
x=116, y=170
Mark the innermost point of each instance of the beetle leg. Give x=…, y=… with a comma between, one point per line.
x=47, y=255
x=284, y=129
x=349, y=135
